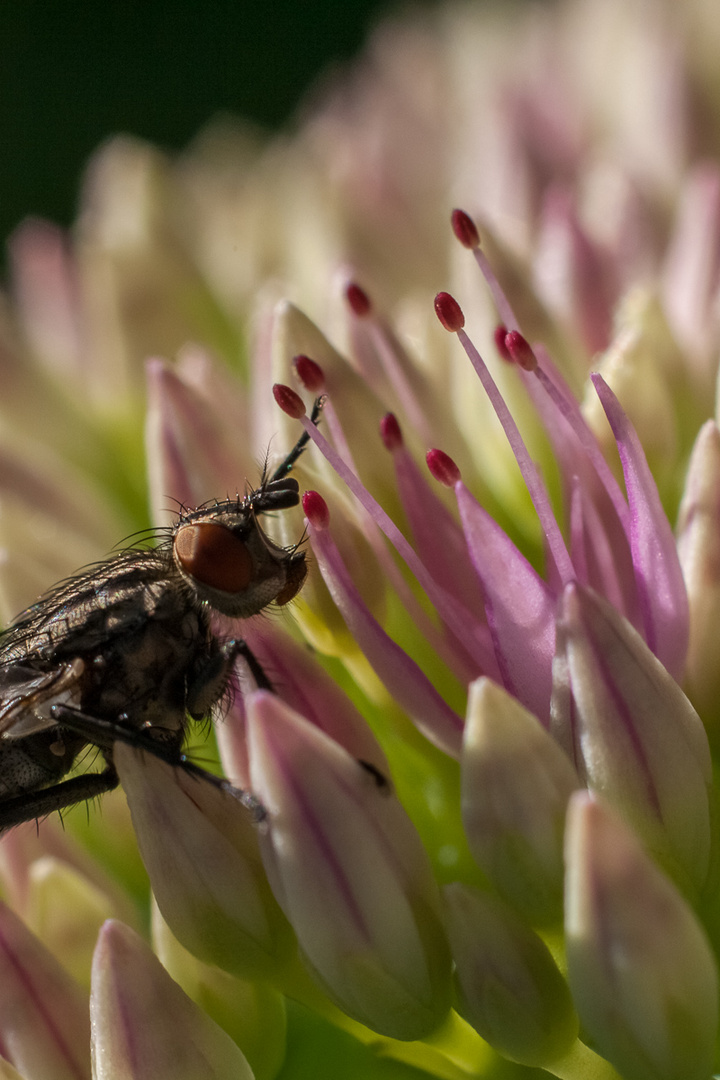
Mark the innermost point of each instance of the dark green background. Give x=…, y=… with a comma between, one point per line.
x=72, y=73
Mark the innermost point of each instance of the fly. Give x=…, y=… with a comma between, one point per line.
x=125, y=651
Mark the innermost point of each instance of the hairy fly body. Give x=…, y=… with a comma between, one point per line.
x=125, y=651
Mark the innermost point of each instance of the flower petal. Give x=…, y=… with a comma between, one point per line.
x=699, y=551
x=521, y=607
x=351, y=874
x=632, y=733
x=403, y=678
x=44, y=1026
x=661, y=589
x=251, y=1012
x=640, y=967
x=516, y=782
x=510, y=988
x=144, y=1027
x=200, y=847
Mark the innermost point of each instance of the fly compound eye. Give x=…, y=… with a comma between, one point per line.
x=212, y=555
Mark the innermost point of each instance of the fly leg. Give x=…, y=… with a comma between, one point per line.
x=104, y=733
x=38, y=804
x=285, y=466
x=210, y=681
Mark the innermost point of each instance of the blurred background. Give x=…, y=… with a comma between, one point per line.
x=73, y=72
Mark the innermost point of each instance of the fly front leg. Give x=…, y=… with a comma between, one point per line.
x=211, y=679
x=32, y=805
x=104, y=733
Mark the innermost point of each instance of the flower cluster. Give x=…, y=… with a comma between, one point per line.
x=488, y=840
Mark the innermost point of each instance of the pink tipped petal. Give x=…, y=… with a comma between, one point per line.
x=144, y=1027
x=499, y=959
x=699, y=551
x=692, y=269
x=46, y=289
x=516, y=782
x=350, y=872
x=252, y=1013
x=305, y=686
x=437, y=534
x=401, y=675
x=641, y=969
x=44, y=1025
x=572, y=274
x=440, y=543
x=190, y=460
x=661, y=589
x=599, y=546
x=566, y=427
x=599, y=515
x=199, y=845
x=378, y=349
x=554, y=541
x=632, y=733
x=520, y=607
x=458, y=618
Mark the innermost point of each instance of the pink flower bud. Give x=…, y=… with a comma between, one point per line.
x=144, y=1027
x=351, y=874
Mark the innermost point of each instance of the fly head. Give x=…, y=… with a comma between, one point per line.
x=230, y=563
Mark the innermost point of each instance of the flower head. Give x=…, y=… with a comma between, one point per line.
x=480, y=738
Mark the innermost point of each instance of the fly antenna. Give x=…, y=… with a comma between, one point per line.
x=288, y=463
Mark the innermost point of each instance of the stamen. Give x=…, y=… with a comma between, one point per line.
x=568, y=407
x=500, y=333
x=454, y=614
x=343, y=453
x=502, y=303
x=358, y=300
x=465, y=229
x=449, y=312
x=407, y=683
x=316, y=510
x=442, y=467
x=536, y=487
x=658, y=574
x=310, y=374
x=520, y=351
x=397, y=367
x=440, y=543
x=390, y=432
x=289, y=401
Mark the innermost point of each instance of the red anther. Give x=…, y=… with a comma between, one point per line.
x=316, y=510
x=289, y=401
x=500, y=335
x=358, y=300
x=449, y=312
x=465, y=229
x=520, y=351
x=442, y=467
x=310, y=374
x=390, y=432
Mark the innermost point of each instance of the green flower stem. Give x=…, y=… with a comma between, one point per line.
x=454, y=1051
x=582, y=1063
x=708, y=908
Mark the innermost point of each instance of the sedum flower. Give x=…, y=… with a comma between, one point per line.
x=470, y=821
